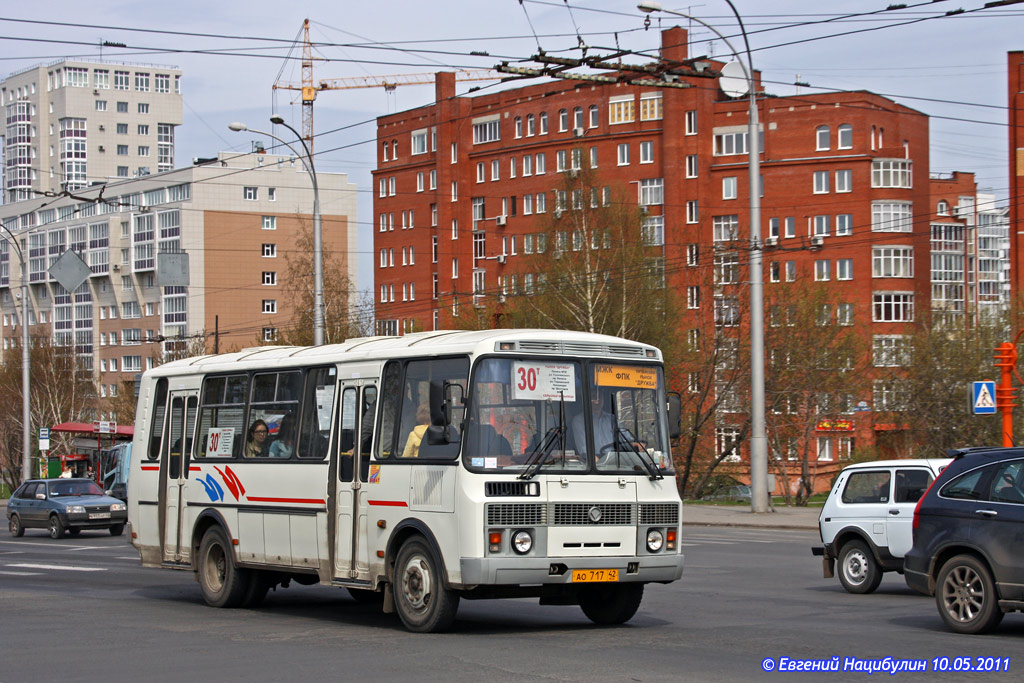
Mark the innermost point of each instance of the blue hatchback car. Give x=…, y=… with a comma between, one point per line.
x=64, y=505
x=969, y=539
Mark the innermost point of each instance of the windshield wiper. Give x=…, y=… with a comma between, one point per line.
x=645, y=458
x=540, y=452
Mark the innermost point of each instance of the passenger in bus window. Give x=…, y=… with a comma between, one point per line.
x=412, y=444
x=256, y=443
x=284, y=445
x=605, y=426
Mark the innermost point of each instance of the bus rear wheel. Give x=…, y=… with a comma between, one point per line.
x=611, y=603
x=222, y=583
x=421, y=600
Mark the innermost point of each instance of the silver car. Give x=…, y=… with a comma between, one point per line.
x=64, y=506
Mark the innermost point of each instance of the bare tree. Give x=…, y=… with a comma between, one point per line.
x=60, y=392
x=345, y=314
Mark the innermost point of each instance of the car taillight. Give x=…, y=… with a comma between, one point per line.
x=917, y=508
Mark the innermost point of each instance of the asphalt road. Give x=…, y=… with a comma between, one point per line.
x=81, y=609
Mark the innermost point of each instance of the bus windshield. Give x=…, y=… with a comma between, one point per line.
x=561, y=415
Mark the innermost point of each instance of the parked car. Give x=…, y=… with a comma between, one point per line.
x=969, y=540
x=64, y=505
x=740, y=493
x=865, y=523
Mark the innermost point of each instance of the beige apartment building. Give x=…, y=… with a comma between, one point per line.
x=70, y=124
x=236, y=218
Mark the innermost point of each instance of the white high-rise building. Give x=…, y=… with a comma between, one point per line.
x=70, y=124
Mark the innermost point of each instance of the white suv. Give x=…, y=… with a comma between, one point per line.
x=866, y=523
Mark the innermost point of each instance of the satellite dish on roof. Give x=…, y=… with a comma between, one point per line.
x=733, y=80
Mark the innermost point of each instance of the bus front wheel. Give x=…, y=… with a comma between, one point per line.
x=611, y=603
x=222, y=583
x=421, y=600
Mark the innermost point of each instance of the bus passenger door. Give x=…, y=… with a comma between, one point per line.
x=356, y=415
x=178, y=446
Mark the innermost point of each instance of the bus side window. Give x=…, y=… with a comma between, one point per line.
x=223, y=406
x=349, y=405
x=390, y=403
x=318, y=404
x=369, y=410
x=156, y=427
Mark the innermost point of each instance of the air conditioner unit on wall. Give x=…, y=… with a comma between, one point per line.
x=817, y=241
x=500, y=220
x=771, y=242
x=577, y=132
x=501, y=258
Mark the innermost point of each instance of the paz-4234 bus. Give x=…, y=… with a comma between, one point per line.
x=414, y=471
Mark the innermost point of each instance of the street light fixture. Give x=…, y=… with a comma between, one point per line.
x=26, y=418
x=758, y=439
x=318, y=266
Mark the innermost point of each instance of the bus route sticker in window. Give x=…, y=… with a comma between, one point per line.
x=324, y=406
x=625, y=376
x=543, y=381
x=220, y=440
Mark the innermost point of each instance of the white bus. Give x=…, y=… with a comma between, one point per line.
x=414, y=471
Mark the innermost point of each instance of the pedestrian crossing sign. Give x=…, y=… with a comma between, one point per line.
x=983, y=397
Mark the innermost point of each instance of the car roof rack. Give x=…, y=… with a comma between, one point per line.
x=960, y=452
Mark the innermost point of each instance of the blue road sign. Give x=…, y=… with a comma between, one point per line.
x=983, y=397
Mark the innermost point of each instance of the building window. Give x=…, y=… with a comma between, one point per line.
x=419, y=142
x=821, y=268
x=725, y=228
x=269, y=223
x=270, y=305
x=820, y=224
x=727, y=144
x=143, y=150
x=821, y=182
x=487, y=131
x=892, y=173
x=693, y=297
x=892, y=217
x=729, y=188
x=563, y=120
x=823, y=138
x=143, y=108
x=122, y=150
x=893, y=307
x=691, y=122
x=790, y=271
x=892, y=262
x=250, y=193
x=844, y=224
x=845, y=136
x=594, y=116
x=844, y=269
x=620, y=110
x=691, y=166
x=844, y=314
x=890, y=395
x=269, y=251
x=101, y=105
x=650, y=107
x=646, y=152
x=624, y=154
x=844, y=180
x=943, y=208
x=890, y=351
x=652, y=192
x=269, y=277
x=692, y=211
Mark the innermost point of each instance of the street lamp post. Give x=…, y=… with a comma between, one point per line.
x=758, y=439
x=26, y=418
x=318, y=265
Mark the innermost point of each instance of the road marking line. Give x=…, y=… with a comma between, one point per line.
x=60, y=567
x=128, y=557
x=19, y=573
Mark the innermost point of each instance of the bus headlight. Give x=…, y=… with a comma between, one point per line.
x=522, y=541
x=655, y=540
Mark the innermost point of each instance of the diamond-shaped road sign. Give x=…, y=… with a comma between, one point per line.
x=70, y=270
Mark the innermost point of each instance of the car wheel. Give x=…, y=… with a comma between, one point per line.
x=14, y=524
x=421, y=600
x=966, y=596
x=116, y=529
x=612, y=603
x=221, y=582
x=858, y=571
x=74, y=532
x=56, y=527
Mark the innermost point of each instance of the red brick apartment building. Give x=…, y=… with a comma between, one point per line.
x=462, y=184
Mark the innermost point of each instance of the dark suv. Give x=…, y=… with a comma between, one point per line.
x=969, y=539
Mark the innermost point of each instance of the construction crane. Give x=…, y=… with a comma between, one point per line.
x=308, y=88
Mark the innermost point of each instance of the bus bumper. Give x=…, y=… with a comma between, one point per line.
x=498, y=571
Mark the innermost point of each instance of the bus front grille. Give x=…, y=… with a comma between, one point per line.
x=665, y=514
x=516, y=514
x=592, y=514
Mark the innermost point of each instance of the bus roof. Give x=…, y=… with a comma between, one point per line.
x=442, y=342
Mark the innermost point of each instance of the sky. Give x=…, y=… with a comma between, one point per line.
x=951, y=67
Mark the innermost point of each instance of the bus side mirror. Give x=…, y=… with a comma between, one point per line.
x=675, y=415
